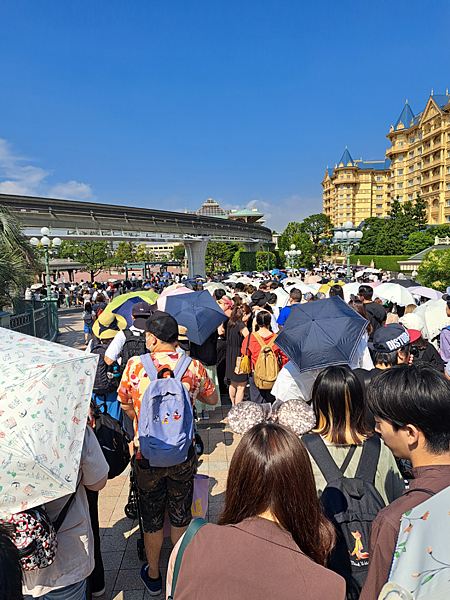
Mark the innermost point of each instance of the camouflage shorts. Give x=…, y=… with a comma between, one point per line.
x=166, y=487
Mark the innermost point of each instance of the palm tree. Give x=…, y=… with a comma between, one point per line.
x=19, y=261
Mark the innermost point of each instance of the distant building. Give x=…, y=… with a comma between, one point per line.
x=211, y=208
x=417, y=163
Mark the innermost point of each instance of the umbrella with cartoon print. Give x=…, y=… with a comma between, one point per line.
x=45, y=392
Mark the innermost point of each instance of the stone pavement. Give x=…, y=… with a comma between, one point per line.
x=119, y=534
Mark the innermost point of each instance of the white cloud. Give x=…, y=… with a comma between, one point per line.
x=27, y=180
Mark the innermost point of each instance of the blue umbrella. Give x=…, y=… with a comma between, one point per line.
x=322, y=333
x=166, y=274
x=273, y=271
x=198, y=312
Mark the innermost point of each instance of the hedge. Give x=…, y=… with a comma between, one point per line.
x=244, y=261
x=386, y=263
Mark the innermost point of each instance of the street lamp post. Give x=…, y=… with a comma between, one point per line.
x=46, y=241
x=125, y=262
x=347, y=238
x=291, y=254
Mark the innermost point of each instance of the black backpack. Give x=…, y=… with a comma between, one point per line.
x=134, y=346
x=113, y=440
x=107, y=377
x=351, y=504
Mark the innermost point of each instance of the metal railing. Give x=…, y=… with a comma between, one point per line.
x=40, y=322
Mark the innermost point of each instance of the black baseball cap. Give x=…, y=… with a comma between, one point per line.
x=389, y=338
x=163, y=326
x=141, y=309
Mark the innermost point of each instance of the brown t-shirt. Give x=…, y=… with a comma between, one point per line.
x=254, y=559
x=386, y=526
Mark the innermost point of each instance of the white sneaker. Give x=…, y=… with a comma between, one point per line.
x=205, y=415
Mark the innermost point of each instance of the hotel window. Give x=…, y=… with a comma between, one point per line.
x=379, y=179
x=400, y=186
x=400, y=198
x=349, y=196
x=448, y=186
x=341, y=206
x=379, y=206
x=419, y=165
x=420, y=135
x=349, y=215
x=379, y=197
x=411, y=169
x=400, y=159
x=379, y=187
x=341, y=196
x=447, y=203
x=348, y=176
x=378, y=214
x=400, y=172
x=348, y=187
x=349, y=205
x=419, y=180
x=447, y=219
x=341, y=215
x=410, y=183
x=448, y=170
x=400, y=143
x=419, y=150
x=341, y=187
x=411, y=154
x=410, y=196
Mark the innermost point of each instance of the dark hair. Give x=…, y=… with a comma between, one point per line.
x=269, y=460
x=273, y=299
x=414, y=395
x=273, y=285
x=336, y=290
x=237, y=313
x=88, y=307
x=389, y=359
x=219, y=294
x=263, y=319
x=295, y=295
x=313, y=298
x=250, y=289
x=358, y=305
x=366, y=292
x=100, y=298
x=10, y=569
x=339, y=405
x=237, y=300
x=239, y=287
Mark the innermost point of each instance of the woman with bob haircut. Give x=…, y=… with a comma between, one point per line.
x=340, y=409
x=271, y=538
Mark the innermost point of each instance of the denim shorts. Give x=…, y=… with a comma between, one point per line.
x=88, y=328
x=166, y=487
x=76, y=591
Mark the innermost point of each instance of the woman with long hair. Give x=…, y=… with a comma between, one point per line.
x=236, y=330
x=340, y=408
x=252, y=345
x=271, y=534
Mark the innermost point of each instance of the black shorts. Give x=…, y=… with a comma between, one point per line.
x=161, y=487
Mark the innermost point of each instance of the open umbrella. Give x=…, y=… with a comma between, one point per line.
x=394, y=293
x=313, y=279
x=434, y=315
x=161, y=302
x=282, y=297
x=323, y=333
x=198, y=312
x=45, y=391
x=426, y=292
x=212, y=286
x=406, y=283
x=123, y=305
x=36, y=286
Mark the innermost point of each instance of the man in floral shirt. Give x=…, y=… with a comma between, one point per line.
x=161, y=487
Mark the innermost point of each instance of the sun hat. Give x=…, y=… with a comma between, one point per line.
x=108, y=325
x=163, y=326
x=412, y=321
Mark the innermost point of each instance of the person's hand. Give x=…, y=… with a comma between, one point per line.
x=411, y=358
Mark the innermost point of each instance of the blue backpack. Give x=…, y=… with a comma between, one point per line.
x=166, y=420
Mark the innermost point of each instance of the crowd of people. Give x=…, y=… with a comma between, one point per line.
x=327, y=463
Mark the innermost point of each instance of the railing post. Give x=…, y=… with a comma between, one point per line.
x=32, y=322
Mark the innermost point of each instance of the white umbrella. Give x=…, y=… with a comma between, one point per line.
x=303, y=287
x=212, y=286
x=351, y=288
x=426, y=292
x=36, y=286
x=393, y=292
x=45, y=391
x=369, y=270
x=434, y=315
x=244, y=280
x=283, y=297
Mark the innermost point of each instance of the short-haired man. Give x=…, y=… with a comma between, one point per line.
x=295, y=297
x=375, y=312
x=412, y=413
x=162, y=486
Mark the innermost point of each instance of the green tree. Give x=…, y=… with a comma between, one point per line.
x=442, y=231
x=219, y=256
x=125, y=251
x=418, y=241
x=319, y=230
x=261, y=261
x=419, y=213
x=434, y=270
x=178, y=252
x=372, y=229
x=143, y=253
x=289, y=236
x=19, y=261
x=94, y=255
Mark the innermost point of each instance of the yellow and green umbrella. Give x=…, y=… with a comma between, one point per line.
x=123, y=305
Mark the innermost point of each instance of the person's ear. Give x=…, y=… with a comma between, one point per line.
x=413, y=436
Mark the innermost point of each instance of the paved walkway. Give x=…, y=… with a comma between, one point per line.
x=119, y=534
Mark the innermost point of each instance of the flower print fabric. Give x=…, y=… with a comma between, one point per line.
x=135, y=381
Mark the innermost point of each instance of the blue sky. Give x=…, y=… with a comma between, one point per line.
x=166, y=103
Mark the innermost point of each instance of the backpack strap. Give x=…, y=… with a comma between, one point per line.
x=424, y=490
x=367, y=467
x=181, y=367
x=319, y=451
x=65, y=509
x=149, y=366
x=194, y=526
x=348, y=459
x=128, y=334
x=261, y=342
